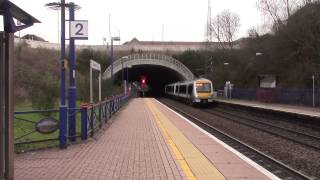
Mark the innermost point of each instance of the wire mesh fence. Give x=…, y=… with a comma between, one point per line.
x=293, y=96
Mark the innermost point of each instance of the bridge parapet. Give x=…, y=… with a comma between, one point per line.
x=149, y=59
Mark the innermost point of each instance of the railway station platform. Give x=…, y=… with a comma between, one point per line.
x=145, y=140
x=298, y=110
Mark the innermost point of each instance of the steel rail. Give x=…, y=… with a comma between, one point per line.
x=295, y=174
x=293, y=139
x=271, y=125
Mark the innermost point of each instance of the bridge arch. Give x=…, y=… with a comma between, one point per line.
x=149, y=59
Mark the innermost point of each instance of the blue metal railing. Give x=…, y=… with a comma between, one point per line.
x=95, y=116
x=40, y=128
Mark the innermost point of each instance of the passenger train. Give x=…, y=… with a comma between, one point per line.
x=199, y=91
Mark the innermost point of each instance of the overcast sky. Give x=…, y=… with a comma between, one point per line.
x=183, y=20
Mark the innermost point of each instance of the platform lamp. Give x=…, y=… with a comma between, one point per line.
x=63, y=108
x=116, y=38
x=9, y=12
x=128, y=67
x=122, y=73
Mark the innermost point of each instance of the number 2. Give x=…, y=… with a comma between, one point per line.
x=79, y=26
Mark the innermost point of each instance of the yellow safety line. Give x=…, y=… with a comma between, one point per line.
x=179, y=157
x=193, y=163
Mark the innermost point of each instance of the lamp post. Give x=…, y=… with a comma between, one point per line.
x=63, y=108
x=228, y=84
x=313, y=102
x=127, y=80
x=72, y=85
x=122, y=73
x=105, y=43
x=119, y=35
x=117, y=38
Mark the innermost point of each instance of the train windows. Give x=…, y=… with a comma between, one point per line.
x=190, y=88
x=171, y=89
x=176, y=89
x=183, y=89
x=203, y=87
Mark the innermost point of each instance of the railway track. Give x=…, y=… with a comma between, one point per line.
x=276, y=167
x=302, y=138
x=302, y=122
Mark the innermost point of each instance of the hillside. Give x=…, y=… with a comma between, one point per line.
x=37, y=75
x=292, y=53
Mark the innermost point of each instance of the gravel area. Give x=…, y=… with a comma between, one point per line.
x=291, y=123
x=296, y=134
x=295, y=155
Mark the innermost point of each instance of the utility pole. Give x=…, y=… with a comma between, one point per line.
x=313, y=102
x=162, y=32
x=209, y=29
x=72, y=85
x=110, y=26
x=63, y=107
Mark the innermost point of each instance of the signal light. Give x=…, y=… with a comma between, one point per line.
x=143, y=80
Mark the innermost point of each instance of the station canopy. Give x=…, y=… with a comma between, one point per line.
x=7, y=8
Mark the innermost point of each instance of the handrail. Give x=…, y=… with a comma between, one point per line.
x=94, y=116
x=36, y=111
x=91, y=119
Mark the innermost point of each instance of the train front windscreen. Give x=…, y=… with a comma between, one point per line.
x=203, y=87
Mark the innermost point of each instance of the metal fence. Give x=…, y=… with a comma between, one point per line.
x=298, y=96
x=292, y=96
x=248, y=94
x=40, y=128
x=27, y=134
x=93, y=117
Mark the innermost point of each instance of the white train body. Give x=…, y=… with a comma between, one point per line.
x=199, y=91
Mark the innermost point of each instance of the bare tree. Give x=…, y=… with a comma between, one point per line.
x=253, y=32
x=270, y=8
x=278, y=11
x=225, y=27
x=305, y=2
x=216, y=28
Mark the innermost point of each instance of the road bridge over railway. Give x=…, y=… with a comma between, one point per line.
x=160, y=69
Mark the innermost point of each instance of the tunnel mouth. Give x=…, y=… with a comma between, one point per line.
x=156, y=77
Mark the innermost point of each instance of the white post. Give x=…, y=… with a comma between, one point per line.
x=99, y=85
x=313, y=103
x=91, y=86
x=96, y=66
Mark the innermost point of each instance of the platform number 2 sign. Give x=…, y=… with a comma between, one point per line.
x=79, y=29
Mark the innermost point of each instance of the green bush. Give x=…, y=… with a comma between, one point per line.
x=45, y=93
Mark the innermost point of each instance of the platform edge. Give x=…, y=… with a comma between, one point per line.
x=240, y=155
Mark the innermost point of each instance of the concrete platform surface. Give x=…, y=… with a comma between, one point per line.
x=145, y=140
x=303, y=110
